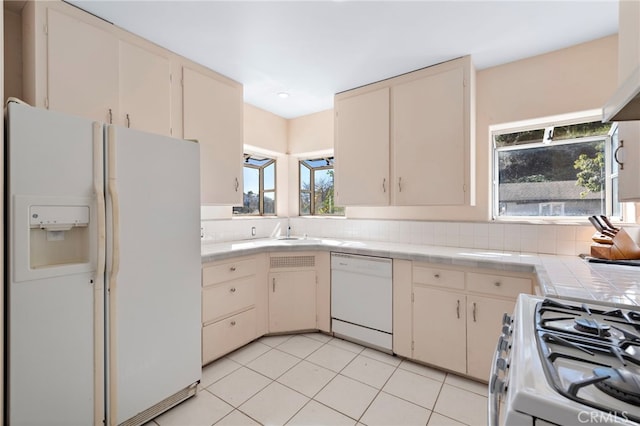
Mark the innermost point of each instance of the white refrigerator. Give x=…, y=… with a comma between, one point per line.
x=103, y=271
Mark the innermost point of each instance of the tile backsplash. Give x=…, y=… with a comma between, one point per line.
x=563, y=239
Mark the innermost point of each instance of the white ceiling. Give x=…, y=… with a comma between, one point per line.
x=313, y=49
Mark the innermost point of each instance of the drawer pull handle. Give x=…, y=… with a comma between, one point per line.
x=274, y=285
x=458, y=310
x=497, y=283
x=232, y=323
x=232, y=289
x=232, y=269
x=474, y=311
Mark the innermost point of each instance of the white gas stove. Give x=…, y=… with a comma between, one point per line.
x=566, y=363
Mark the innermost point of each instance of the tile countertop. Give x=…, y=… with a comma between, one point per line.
x=568, y=277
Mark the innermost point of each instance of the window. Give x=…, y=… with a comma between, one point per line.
x=316, y=188
x=259, y=196
x=556, y=171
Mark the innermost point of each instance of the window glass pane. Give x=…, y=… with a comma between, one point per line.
x=581, y=130
x=519, y=138
x=305, y=178
x=269, y=203
x=324, y=200
x=305, y=203
x=251, y=195
x=616, y=210
x=270, y=177
x=555, y=180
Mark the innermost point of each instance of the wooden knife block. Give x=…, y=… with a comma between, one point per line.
x=623, y=247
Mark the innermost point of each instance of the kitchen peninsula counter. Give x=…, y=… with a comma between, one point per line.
x=568, y=277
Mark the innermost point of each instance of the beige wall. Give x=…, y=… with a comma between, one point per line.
x=264, y=129
x=574, y=79
x=311, y=133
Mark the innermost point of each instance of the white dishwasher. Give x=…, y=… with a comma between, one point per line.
x=362, y=299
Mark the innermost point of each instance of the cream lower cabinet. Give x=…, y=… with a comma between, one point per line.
x=439, y=328
x=457, y=315
x=298, y=286
x=234, y=304
x=292, y=301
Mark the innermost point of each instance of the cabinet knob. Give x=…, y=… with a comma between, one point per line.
x=497, y=283
x=232, y=289
x=436, y=275
x=232, y=269
x=232, y=323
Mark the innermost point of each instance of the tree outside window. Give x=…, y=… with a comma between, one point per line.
x=259, y=195
x=316, y=188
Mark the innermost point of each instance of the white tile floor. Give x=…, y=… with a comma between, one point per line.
x=314, y=379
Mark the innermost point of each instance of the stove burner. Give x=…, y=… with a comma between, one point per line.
x=620, y=384
x=592, y=327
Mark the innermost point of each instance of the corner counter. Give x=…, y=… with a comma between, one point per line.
x=567, y=277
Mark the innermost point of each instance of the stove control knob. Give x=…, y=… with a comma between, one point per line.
x=503, y=344
x=506, y=330
x=501, y=364
x=497, y=385
x=506, y=319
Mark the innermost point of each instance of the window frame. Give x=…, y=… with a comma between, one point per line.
x=312, y=186
x=261, y=190
x=548, y=124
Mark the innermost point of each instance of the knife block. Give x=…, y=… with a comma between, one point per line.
x=622, y=247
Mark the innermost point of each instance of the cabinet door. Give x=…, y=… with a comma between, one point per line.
x=212, y=114
x=292, y=301
x=362, y=149
x=429, y=140
x=484, y=325
x=439, y=328
x=629, y=156
x=82, y=68
x=145, y=90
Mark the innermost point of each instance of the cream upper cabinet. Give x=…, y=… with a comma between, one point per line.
x=628, y=158
x=362, y=148
x=409, y=140
x=429, y=144
x=145, y=89
x=82, y=68
x=212, y=115
x=628, y=131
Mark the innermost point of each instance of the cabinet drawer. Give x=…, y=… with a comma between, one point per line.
x=227, y=271
x=438, y=277
x=228, y=334
x=498, y=285
x=222, y=299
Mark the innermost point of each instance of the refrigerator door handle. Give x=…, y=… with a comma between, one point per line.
x=112, y=186
x=98, y=298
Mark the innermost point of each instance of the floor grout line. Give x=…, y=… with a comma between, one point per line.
x=362, y=352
